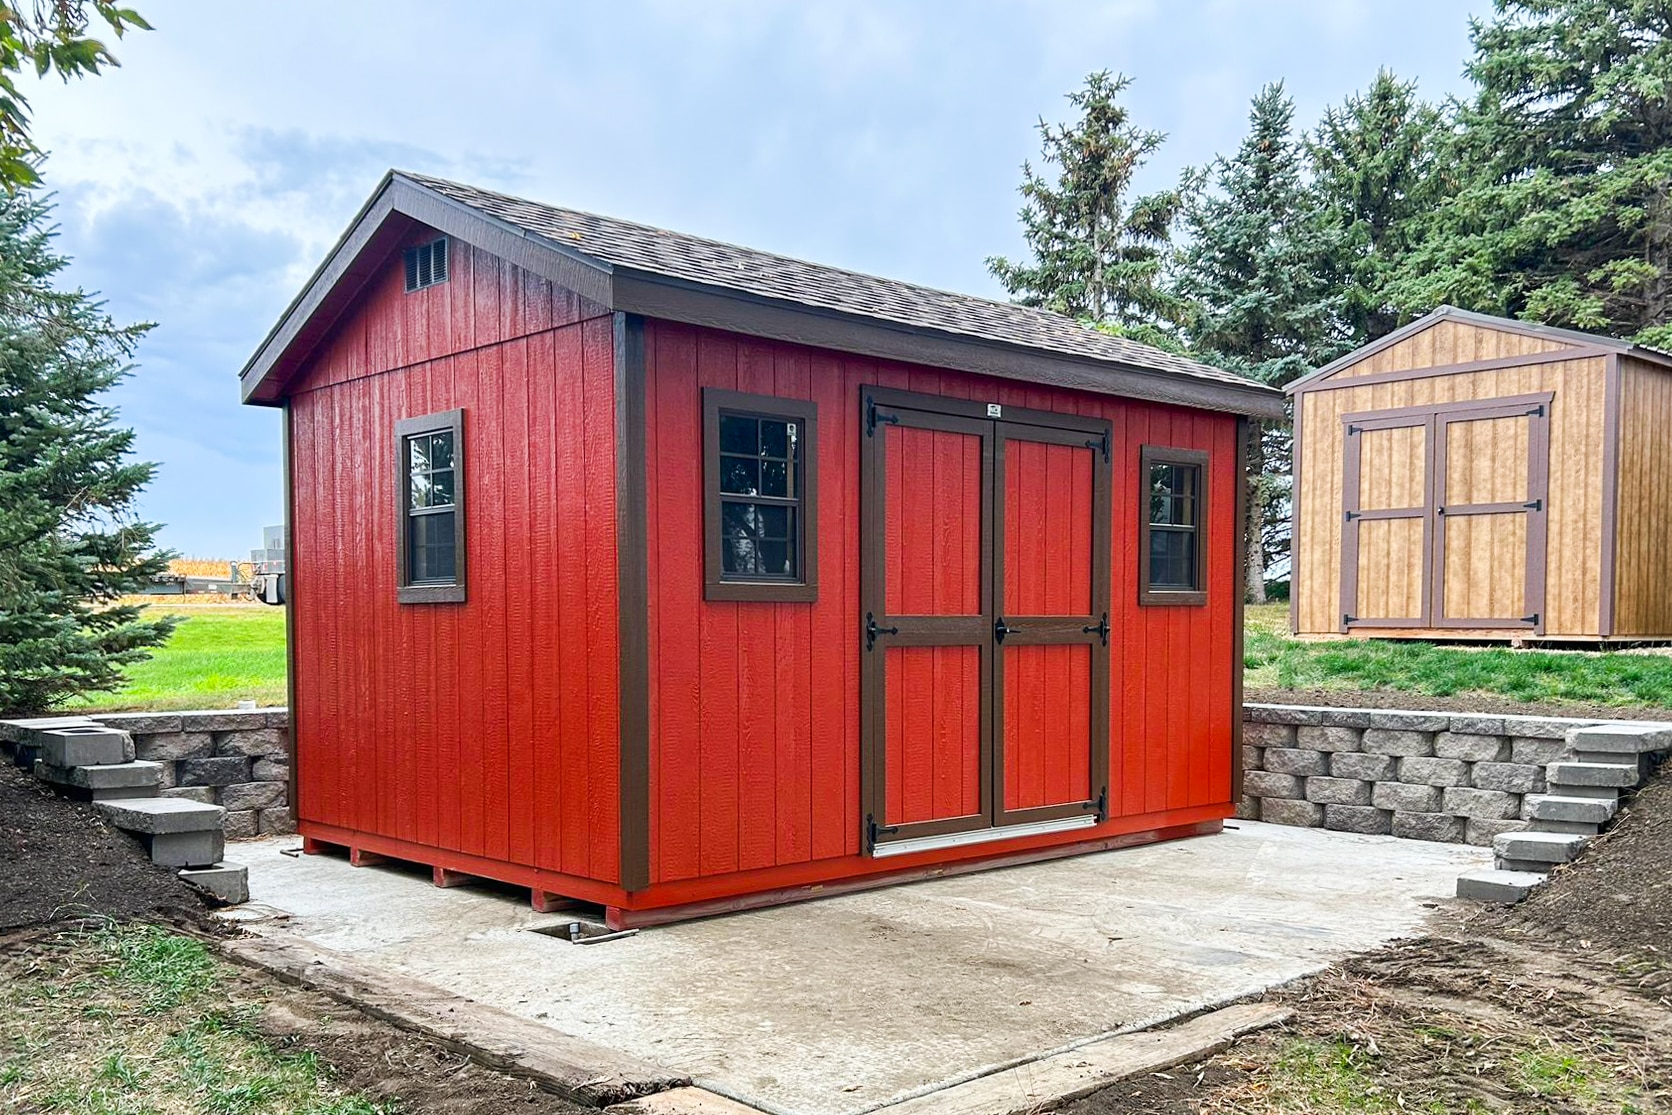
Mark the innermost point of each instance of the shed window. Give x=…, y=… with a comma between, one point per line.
x=429, y=472
x=760, y=497
x=426, y=265
x=1173, y=527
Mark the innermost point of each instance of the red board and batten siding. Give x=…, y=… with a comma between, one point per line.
x=754, y=728
x=490, y=728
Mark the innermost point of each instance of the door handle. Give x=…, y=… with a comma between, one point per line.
x=872, y=630
x=1001, y=629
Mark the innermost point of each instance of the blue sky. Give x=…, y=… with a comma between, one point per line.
x=200, y=184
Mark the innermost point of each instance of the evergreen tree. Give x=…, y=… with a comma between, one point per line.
x=69, y=542
x=1565, y=214
x=1377, y=165
x=1254, y=269
x=1097, y=255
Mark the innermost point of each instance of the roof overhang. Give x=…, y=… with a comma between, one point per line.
x=399, y=205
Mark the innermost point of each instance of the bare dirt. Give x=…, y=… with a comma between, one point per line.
x=1484, y=704
x=1562, y=1004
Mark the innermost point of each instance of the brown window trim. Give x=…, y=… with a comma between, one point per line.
x=715, y=585
x=430, y=593
x=1149, y=455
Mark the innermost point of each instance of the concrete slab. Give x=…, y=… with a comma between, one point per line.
x=845, y=1005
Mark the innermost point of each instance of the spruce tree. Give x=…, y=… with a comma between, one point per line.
x=1096, y=253
x=1377, y=164
x=1565, y=212
x=70, y=544
x=1255, y=271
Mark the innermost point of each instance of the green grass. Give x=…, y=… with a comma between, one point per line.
x=135, y=1020
x=1275, y=660
x=219, y=655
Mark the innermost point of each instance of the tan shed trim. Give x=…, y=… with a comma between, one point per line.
x=1610, y=532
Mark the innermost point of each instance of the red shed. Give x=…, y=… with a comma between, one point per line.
x=654, y=572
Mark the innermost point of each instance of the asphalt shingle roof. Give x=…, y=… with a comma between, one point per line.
x=695, y=259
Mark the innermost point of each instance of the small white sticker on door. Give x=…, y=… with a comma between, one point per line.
x=994, y=411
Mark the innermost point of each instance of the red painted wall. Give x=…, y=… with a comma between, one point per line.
x=488, y=728
x=755, y=706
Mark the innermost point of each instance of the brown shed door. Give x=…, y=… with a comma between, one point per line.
x=985, y=591
x=1445, y=516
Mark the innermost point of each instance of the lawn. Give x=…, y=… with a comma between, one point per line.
x=219, y=655
x=1275, y=660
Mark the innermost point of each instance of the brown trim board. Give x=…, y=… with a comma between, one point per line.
x=633, y=604
x=1295, y=478
x=454, y=591
x=288, y=471
x=1435, y=371
x=716, y=585
x=1148, y=456
x=1608, y=576
x=1239, y=594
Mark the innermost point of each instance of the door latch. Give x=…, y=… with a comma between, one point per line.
x=1101, y=630
x=1001, y=629
x=872, y=630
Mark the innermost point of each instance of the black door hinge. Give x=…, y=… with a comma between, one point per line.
x=1536, y=412
x=1347, y=619
x=1101, y=630
x=1101, y=443
x=874, y=830
x=1355, y=430
x=872, y=630
x=1100, y=806
x=1534, y=505
x=1532, y=619
x=873, y=416
x=1351, y=515
x=1001, y=629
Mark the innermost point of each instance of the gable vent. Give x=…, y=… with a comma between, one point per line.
x=426, y=265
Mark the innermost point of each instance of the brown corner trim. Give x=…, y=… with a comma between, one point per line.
x=1558, y=357
x=288, y=469
x=1239, y=593
x=1295, y=476
x=1608, y=577
x=632, y=571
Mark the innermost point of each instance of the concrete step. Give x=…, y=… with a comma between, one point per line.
x=82, y=746
x=1491, y=885
x=1521, y=866
x=1597, y=775
x=1570, y=828
x=1631, y=739
x=1613, y=758
x=138, y=779
x=1538, y=847
x=196, y=848
x=1558, y=807
x=163, y=816
x=225, y=882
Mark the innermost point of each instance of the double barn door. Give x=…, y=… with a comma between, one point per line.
x=1445, y=510
x=985, y=599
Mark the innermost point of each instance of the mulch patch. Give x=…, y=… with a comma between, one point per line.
x=1484, y=704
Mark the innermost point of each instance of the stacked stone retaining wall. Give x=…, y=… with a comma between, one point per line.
x=235, y=758
x=1455, y=777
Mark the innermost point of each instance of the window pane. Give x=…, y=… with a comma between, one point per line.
x=775, y=479
x=774, y=521
x=441, y=488
x=1173, y=494
x=739, y=435
x=776, y=559
x=418, y=453
x=1173, y=559
x=775, y=439
x=431, y=554
x=441, y=450
x=420, y=490
x=740, y=475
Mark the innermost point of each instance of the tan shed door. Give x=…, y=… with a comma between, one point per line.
x=1444, y=512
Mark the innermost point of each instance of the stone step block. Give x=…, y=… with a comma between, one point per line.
x=1551, y=807
x=1539, y=847
x=154, y=816
x=82, y=746
x=196, y=848
x=19, y=731
x=1628, y=739
x=225, y=882
x=1495, y=885
x=1529, y=866
x=1592, y=774
x=138, y=775
x=1572, y=828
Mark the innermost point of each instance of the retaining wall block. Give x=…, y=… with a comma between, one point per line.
x=1284, y=811
x=1337, y=791
x=1319, y=738
x=174, y=745
x=1282, y=714
x=1251, y=757
x=1514, y=778
x=1358, y=818
x=1628, y=738
x=278, y=717
x=1346, y=718
x=275, y=821
x=1525, y=749
x=1409, y=721
x=1286, y=760
x=1403, y=798
x=1441, y=827
x=1248, y=809
x=239, y=824
x=222, y=771
x=223, y=720
x=252, y=795
x=141, y=723
x=1479, y=725
x=1266, y=784
x=1358, y=764
x=258, y=742
x=1434, y=772
x=205, y=794
x=1474, y=748
x=277, y=770
x=1538, y=727
x=1269, y=735
x=1398, y=741
x=1491, y=805
x=1482, y=831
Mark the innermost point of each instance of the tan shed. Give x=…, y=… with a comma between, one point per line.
x=1475, y=477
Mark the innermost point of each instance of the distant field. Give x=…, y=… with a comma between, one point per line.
x=1274, y=660
x=219, y=655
